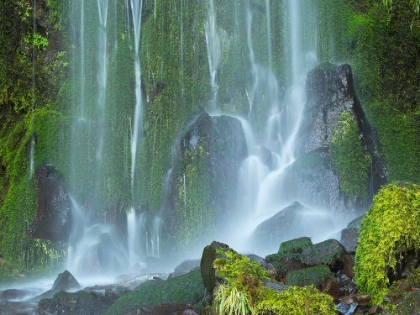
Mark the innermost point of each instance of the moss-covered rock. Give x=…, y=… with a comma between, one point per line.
x=78, y=303
x=185, y=289
x=315, y=276
x=388, y=231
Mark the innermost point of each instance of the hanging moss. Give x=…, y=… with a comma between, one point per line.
x=348, y=158
x=388, y=230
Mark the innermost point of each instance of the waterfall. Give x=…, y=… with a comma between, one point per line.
x=134, y=225
x=213, y=50
x=136, y=9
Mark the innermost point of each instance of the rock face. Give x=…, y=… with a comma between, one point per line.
x=291, y=222
x=201, y=200
x=311, y=180
x=52, y=221
x=330, y=92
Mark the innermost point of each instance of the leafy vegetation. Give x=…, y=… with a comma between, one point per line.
x=243, y=291
x=388, y=231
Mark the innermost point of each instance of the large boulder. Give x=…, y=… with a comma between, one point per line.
x=206, y=160
x=65, y=282
x=291, y=222
x=330, y=93
x=311, y=180
x=53, y=206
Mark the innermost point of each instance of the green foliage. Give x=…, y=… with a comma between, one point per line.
x=389, y=229
x=184, y=289
x=228, y=300
x=350, y=162
x=295, y=301
x=309, y=276
x=243, y=292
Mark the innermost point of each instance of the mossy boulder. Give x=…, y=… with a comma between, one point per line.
x=389, y=230
x=288, y=257
x=327, y=253
x=78, y=303
x=187, y=289
x=309, y=276
x=208, y=272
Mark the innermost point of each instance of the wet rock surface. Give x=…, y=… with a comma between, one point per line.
x=290, y=223
x=53, y=206
x=65, y=282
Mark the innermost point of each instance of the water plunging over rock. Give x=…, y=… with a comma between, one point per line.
x=52, y=221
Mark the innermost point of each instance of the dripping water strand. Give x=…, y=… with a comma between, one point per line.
x=33, y=139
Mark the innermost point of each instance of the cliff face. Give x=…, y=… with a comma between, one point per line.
x=42, y=75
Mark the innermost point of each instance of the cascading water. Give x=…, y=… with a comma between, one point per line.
x=135, y=224
x=213, y=50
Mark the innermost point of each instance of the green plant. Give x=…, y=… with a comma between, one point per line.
x=230, y=301
x=388, y=231
x=243, y=291
x=295, y=301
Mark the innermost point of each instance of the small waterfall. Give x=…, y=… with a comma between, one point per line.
x=136, y=9
x=82, y=61
x=213, y=50
x=102, y=73
x=136, y=225
x=32, y=141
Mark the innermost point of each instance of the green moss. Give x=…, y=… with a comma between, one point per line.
x=295, y=245
x=389, y=229
x=309, y=276
x=350, y=162
x=185, y=289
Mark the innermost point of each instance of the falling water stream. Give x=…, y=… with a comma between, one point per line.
x=261, y=185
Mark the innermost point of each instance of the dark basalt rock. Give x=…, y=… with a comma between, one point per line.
x=349, y=239
x=311, y=179
x=208, y=273
x=330, y=92
x=65, y=282
x=81, y=303
x=53, y=206
x=291, y=222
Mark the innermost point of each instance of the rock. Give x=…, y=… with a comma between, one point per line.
x=14, y=294
x=349, y=239
x=328, y=253
x=316, y=276
x=311, y=180
x=359, y=299
x=208, y=273
x=53, y=206
x=291, y=222
x=65, y=282
x=215, y=146
x=348, y=264
x=186, y=266
x=288, y=257
x=81, y=303
x=162, y=297
x=330, y=92
x=355, y=224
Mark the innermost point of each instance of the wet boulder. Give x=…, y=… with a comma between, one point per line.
x=207, y=156
x=53, y=206
x=329, y=253
x=330, y=94
x=292, y=222
x=65, y=282
x=81, y=302
x=208, y=272
x=311, y=180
